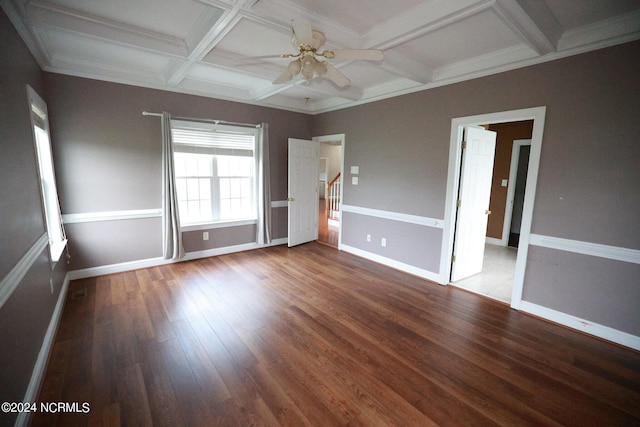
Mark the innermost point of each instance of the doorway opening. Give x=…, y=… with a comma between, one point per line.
x=507, y=184
x=330, y=188
x=507, y=264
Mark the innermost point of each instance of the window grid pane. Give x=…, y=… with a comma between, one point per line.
x=214, y=187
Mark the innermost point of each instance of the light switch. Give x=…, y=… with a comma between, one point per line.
x=504, y=182
x=354, y=180
x=355, y=170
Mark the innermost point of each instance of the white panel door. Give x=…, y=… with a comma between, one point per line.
x=473, y=212
x=303, y=191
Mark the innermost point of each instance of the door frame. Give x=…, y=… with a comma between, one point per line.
x=329, y=138
x=511, y=188
x=537, y=114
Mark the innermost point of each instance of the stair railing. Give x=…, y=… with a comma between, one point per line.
x=334, y=197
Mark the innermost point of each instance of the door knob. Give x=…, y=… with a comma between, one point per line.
x=487, y=212
x=291, y=199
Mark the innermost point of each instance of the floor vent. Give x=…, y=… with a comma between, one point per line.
x=79, y=293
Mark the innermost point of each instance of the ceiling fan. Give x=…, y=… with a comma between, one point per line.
x=310, y=61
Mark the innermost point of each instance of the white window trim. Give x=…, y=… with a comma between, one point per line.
x=56, y=248
x=215, y=179
x=218, y=224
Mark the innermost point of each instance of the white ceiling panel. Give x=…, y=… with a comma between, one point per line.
x=100, y=53
x=250, y=38
x=208, y=73
x=174, y=18
x=460, y=41
x=357, y=15
x=202, y=46
x=364, y=75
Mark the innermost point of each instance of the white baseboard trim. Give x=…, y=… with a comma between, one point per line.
x=583, y=325
x=395, y=216
x=154, y=262
x=425, y=274
x=37, y=375
x=11, y=281
x=586, y=248
x=494, y=241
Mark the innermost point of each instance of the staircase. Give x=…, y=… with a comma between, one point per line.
x=333, y=200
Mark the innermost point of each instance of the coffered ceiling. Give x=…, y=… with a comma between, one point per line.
x=205, y=47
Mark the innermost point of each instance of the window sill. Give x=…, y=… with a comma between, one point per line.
x=219, y=224
x=56, y=249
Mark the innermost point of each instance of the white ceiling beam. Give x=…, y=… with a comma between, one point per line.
x=317, y=85
x=270, y=90
x=619, y=29
x=338, y=36
x=325, y=87
x=216, y=33
x=423, y=19
x=406, y=67
x=532, y=22
x=200, y=48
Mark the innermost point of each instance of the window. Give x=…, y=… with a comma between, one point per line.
x=48, y=190
x=215, y=168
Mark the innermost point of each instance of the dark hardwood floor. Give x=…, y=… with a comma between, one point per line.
x=312, y=336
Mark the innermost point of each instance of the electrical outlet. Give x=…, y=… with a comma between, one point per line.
x=383, y=242
x=368, y=237
x=205, y=235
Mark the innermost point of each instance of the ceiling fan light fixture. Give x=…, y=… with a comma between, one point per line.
x=294, y=67
x=308, y=70
x=321, y=68
x=309, y=61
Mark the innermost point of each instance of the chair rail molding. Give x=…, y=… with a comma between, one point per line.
x=11, y=281
x=586, y=248
x=394, y=216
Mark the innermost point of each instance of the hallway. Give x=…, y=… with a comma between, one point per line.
x=496, y=279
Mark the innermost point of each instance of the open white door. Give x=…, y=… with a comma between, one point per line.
x=473, y=201
x=303, y=191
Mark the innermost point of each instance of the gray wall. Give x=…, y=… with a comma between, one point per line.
x=588, y=186
x=25, y=316
x=109, y=158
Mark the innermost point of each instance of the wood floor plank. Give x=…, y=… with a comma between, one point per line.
x=235, y=380
x=163, y=403
x=133, y=402
x=211, y=384
x=313, y=336
x=192, y=403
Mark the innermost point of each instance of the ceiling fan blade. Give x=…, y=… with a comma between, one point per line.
x=363, y=54
x=302, y=31
x=282, y=55
x=336, y=76
x=255, y=60
x=284, y=77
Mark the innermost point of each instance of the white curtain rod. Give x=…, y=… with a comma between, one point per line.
x=195, y=119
